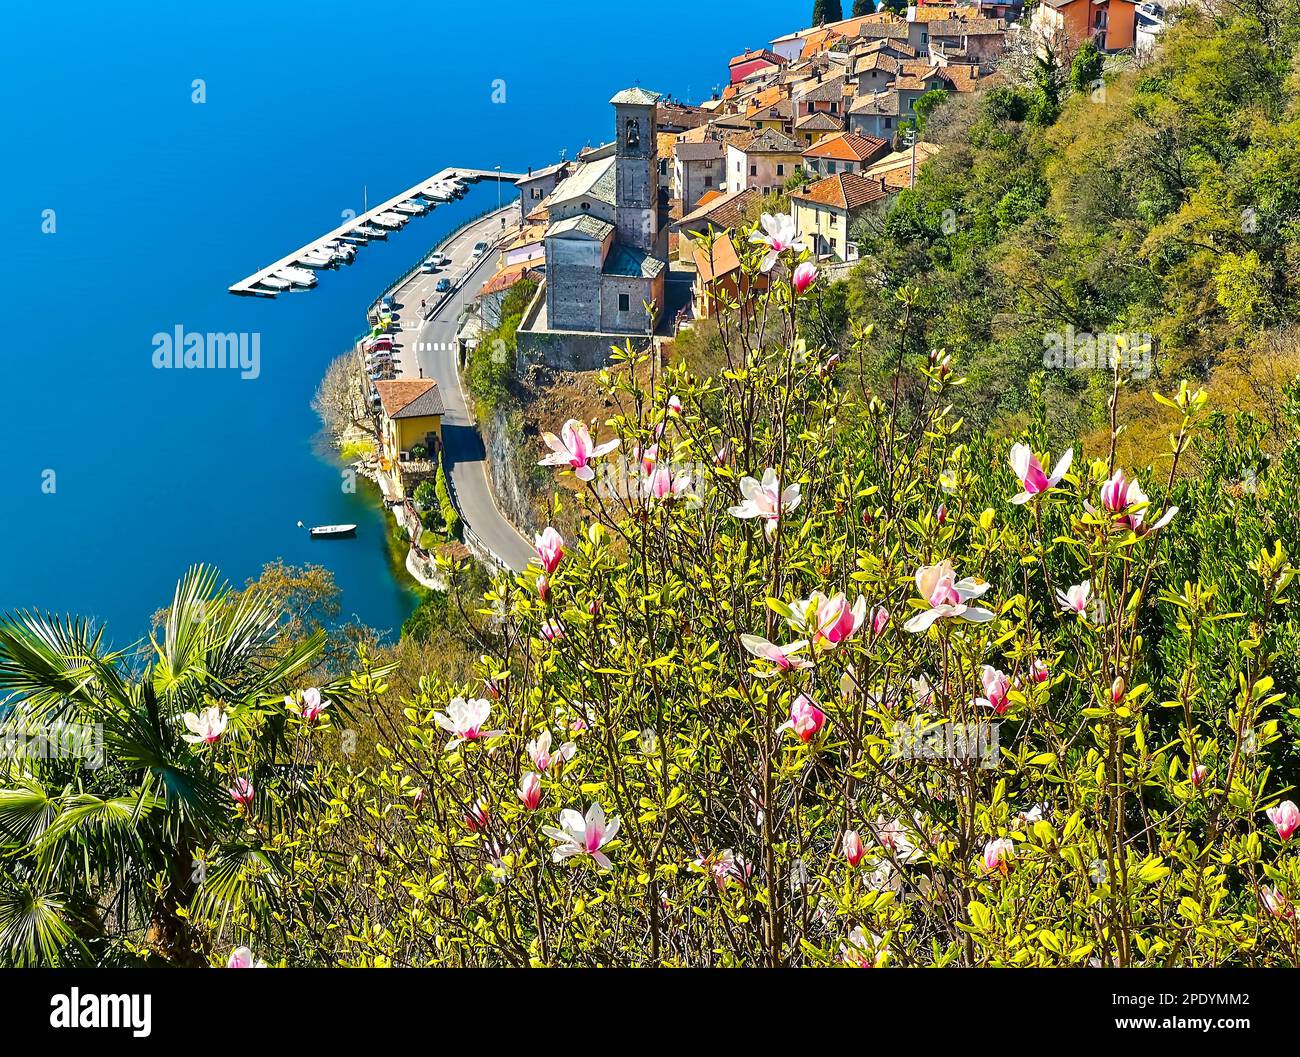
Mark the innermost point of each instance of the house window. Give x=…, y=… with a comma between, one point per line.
x=624, y=303
x=889, y=122
x=830, y=168
x=835, y=108
x=708, y=163
x=780, y=170
x=753, y=170
x=708, y=181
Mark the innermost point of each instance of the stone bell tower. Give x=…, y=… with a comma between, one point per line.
x=636, y=201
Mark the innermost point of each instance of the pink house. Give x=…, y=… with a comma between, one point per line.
x=751, y=62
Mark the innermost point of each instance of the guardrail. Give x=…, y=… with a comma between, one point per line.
x=436, y=246
x=469, y=537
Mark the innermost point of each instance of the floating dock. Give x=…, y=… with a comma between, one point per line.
x=256, y=285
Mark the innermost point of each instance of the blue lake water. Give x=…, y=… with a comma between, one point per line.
x=160, y=203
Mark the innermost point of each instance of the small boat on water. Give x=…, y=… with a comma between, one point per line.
x=275, y=283
x=409, y=208
x=297, y=276
x=371, y=233
x=389, y=220
x=333, y=531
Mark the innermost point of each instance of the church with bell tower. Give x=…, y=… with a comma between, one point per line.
x=606, y=253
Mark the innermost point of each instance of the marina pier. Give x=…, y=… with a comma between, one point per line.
x=298, y=269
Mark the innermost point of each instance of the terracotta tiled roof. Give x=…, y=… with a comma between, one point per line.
x=725, y=212
x=844, y=190
x=846, y=146
x=819, y=122
x=765, y=141
x=757, y=53
x=507, y=277
x=707, y=197
x=410, y=397
x=965, y=27
x=718, y=260
x=883, y=103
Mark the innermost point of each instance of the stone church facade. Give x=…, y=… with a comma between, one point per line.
x=605, y=252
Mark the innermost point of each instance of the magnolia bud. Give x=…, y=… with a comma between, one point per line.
x=1117, y=690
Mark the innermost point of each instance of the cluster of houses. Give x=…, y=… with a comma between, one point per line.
x=819, y=115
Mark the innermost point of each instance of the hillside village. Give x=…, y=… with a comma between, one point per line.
x=825, y=123
x=824, y=117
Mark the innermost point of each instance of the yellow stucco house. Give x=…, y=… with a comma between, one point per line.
x=410, y=416
x=824, y=211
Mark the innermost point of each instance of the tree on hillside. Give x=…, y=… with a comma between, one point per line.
x=863, y=7
x=826, y=11
x=1085, y=70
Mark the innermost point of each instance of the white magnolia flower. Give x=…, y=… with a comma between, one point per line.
x=778, y=234
x=206, y=726
x=766, y=499
x=583, y=836
x=947, y=596
x=539, y=751
x=464, y=720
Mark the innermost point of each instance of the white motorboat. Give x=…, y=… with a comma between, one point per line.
x=272, y=282
x=297, y=276
x=408, y=208
x=332, y=531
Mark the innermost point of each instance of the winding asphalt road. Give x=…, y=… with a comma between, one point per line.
x=433, y=343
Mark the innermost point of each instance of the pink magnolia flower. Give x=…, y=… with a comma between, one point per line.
x=804, y=276
x=998, y=856
x=674, y=405
x=476, y=818
x=309, y=704
x=530, y=791
x=942, y=515
x=1117, y=689
x=779, y=235
x=573, y=449
x=806, y=719
x=1276, y=903
x=1198, y=773
x=242, y=958
x=723, y=866
x=784, y=658
x=583, y=836
x=996, y=686
x=1075, y=599
x=1033, y=481
x=241, y=791
x=1039, y=672
x=831, y=620
x=860, y=950
x=894, y=838
x=853, y=847
x=1285, y=817
x=552, y=630
x=765, y=499
x=649, y=458
x=539, y=751
x=879, y=619
x=206, y=726
x=543, y=588
x=663, y=484
x=464, y=720
x=550, y=548
x=947, y=597
x=1127, y=503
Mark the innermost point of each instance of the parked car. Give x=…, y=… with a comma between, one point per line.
x=444, y=284
x=480, y=248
